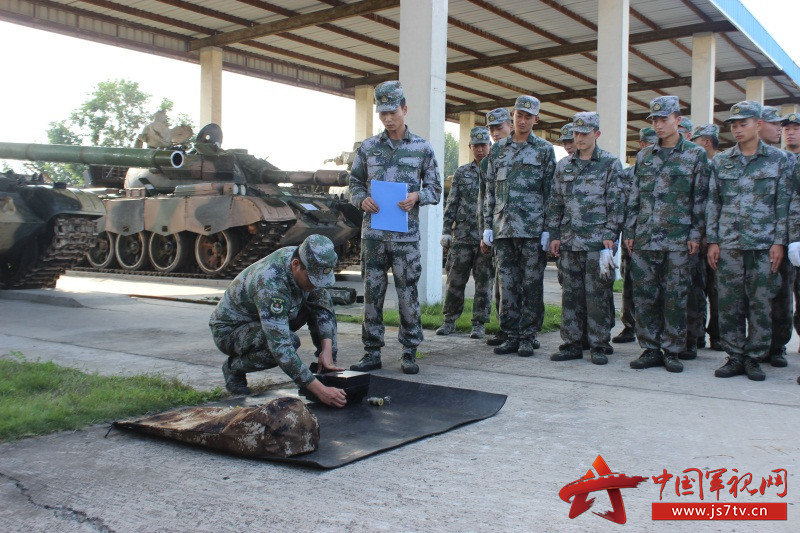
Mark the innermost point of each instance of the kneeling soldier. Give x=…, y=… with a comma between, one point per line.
x=255, y=320
x=462, y=236
x=583, y=218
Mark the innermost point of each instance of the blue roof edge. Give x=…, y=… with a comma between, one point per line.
x=752, y=28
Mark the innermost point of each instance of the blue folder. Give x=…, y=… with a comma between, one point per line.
x=387, y=195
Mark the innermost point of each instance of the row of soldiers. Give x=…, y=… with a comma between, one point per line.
x=694, y=225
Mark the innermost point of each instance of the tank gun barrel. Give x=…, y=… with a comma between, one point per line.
x=325, y=178
x=93, y=155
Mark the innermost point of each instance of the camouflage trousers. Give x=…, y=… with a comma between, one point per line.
x=712, y=328
x=660, y=293
x=796, y=286
x=746, y=287
x=377, y=257
x=696, y=303
x=463, y=258
x=587, y=301
x=247, y=347
x=628, y=310
x=781, y=308
x=520, y=272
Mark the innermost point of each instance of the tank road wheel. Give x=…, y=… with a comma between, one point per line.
x=168, y=252
x=101, y=255
x=131, y=251
x=215, y=252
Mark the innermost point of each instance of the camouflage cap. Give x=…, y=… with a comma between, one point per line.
x=745, y=109
x=706, y=130
x=685, y=124
x=479, y=135
x=497, y=116
x=664, y=106
x=529, y=104
x=791, y=118
x=770, y=114
x=566, y=133
x=388, y=96
x=648, y=135
x=585, y=122
x=319, y=258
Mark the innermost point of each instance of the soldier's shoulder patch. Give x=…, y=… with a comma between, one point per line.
x=277, y=305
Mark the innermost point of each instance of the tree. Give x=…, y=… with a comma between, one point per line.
x=113, y=116
x=450, y=154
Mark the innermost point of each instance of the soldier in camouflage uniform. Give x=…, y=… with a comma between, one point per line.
x=395, y=155
x=567, y=138
x=583, y=219
x=499, y=123
x=255, y=320
x=747, y=214
x=461, y=238
x=518, y=180
x=647, y=137
x=781, y=305
x=685, y=128
x=791, y=135
x=664, y=225
x=704, y=317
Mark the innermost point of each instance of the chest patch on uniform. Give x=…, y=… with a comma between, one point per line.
x=568, y=169
x=729, y=165
x=648, y=163
x=277, y=305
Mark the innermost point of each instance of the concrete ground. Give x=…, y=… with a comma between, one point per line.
x=503, y=473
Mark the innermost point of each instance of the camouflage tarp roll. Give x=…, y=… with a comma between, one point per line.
x=281, y=428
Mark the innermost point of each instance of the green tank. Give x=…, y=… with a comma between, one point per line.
x=44, y=229
x=205, y=211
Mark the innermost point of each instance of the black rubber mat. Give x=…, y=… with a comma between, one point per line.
x=414, y=411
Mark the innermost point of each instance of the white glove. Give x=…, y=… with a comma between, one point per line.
x=488, y=237
x=794, y=253
x=545, y=242
x=446, y=240
x=607, y=265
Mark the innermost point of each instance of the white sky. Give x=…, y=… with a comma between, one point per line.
x=46, y=76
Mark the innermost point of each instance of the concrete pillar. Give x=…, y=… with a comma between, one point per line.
x=210, y=85
x=704, y=51
x=754, y=89
x=612, y=73
x=466, y=121
x=423, y=62
x=365, y=114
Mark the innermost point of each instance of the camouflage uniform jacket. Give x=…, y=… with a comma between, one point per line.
x=748, y=205
x=585, y=205
x=462, y=205
x=266, y=291
x=411, y=162
x=518, y=181
x=626, y=184
x=666, y=206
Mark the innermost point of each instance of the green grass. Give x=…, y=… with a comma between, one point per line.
x=618, y=285
x=432, y=318
x=41, y=397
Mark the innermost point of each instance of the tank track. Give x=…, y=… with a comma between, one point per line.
x=72, y=238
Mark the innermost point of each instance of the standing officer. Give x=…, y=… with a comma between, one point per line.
x=518, y=180
x=685, y=128
x=707, y=137
x=770, y=131
x=747, y=230
x=664, y=226
x=583, y=219
x=500, y=126
x=255, y=320
x=567, y=138
x=462, y=236
x=791, y=135
x=647, y=137
x=395, y=155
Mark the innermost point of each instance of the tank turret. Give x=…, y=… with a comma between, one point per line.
x=204, y=211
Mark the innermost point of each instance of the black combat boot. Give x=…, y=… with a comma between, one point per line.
x=235, y=381
x=408, y=362
x=648, y=359
x=753, y=370
x=671, y=362
x=510, y=346
x=716, y=345
x=498, y=339
x=525, y=348
x=690, y=352
x=732, y=367
x=370, y=361
x=599, y=356
x=626, y=335
x=567, y=352
x=778, y=358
